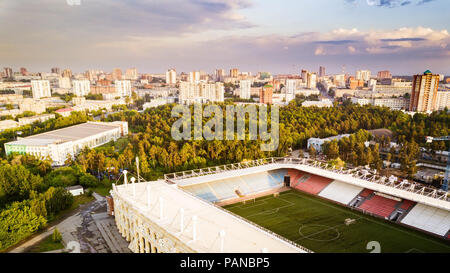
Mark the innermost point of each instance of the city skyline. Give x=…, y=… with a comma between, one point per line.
x=250, y=35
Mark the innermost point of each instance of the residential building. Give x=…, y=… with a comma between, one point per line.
x=171, y=76
x=81, y=88
x=424, y=92
x=265, y=94
x=363, y=75
x=64, y=82
x=385, y=74
x=245, y=89
x=201, y=92
x=40, y=89
x=123, y=88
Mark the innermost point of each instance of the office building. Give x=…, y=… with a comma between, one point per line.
x=194, y=77
x=363, y=75
x=234, y=73
x=116, y=74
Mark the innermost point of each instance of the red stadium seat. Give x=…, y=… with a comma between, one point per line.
x=307, y=182
x=379, y=205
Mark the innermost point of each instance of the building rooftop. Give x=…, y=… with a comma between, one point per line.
x=71, y=133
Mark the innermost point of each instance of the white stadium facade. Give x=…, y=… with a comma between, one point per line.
x=182, y=212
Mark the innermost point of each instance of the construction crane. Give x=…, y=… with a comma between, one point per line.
x=447, y=169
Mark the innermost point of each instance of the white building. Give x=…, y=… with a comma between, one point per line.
x=64, y=82
x=171, y=76
x=39, y=118
x=311, y=80
x=40, y=89
x=363, y=75
x=392, y=103
x=194, y=76
x=317, y=143
x=60, y=144
x=123, y=88
x=8, y=124
x=291, y=86
x=443, y=100
x=81, y=88
x=320, y=104
x=245, y=89
x=201, y=92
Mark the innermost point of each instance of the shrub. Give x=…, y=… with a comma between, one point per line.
x=56, y=236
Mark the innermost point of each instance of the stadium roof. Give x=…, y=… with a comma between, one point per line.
x=71, y=133
x=240, y=235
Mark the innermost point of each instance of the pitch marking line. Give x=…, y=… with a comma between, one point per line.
x=274, y=210
x=348, y=211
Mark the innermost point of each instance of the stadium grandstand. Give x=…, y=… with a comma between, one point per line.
x=281, y=205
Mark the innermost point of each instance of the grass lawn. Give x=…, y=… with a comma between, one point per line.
x=46, y=245
x=319, y=225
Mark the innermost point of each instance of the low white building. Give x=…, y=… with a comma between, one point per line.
x=75, y=190
x=61, y=144
x=317, y=143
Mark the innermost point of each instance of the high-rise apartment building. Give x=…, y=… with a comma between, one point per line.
x=311, y=80
x=322, y=71
x=201, y=92
x=363, y=75
x=194, y=76
x=291, y=86
x=56, y=70
x=40, y=89
x=424, y=92
x=67, y=73
x=116, y=74
x=234, y=73
x=220, y=75
x=385, y=74
x=304, y=74
x=81, y=88
x=123, y=88
x=131, y=74
x=171, y=76
x=64, y=82
x=245, y=89
x=23, y=71
x=8, y=72
x=265, y=94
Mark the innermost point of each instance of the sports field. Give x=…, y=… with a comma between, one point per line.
x=320, y=226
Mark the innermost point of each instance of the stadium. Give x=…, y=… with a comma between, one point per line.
x=281, y=205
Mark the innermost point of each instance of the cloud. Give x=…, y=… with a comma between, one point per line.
x=389, y=3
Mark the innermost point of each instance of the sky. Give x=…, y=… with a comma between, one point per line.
x=280, y=36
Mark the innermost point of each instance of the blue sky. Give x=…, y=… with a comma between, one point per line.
x=283, y=36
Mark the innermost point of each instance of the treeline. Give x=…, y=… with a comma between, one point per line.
x=30, y=196
x=151, y=140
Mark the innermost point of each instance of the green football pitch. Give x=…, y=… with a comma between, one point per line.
x=320, y=226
